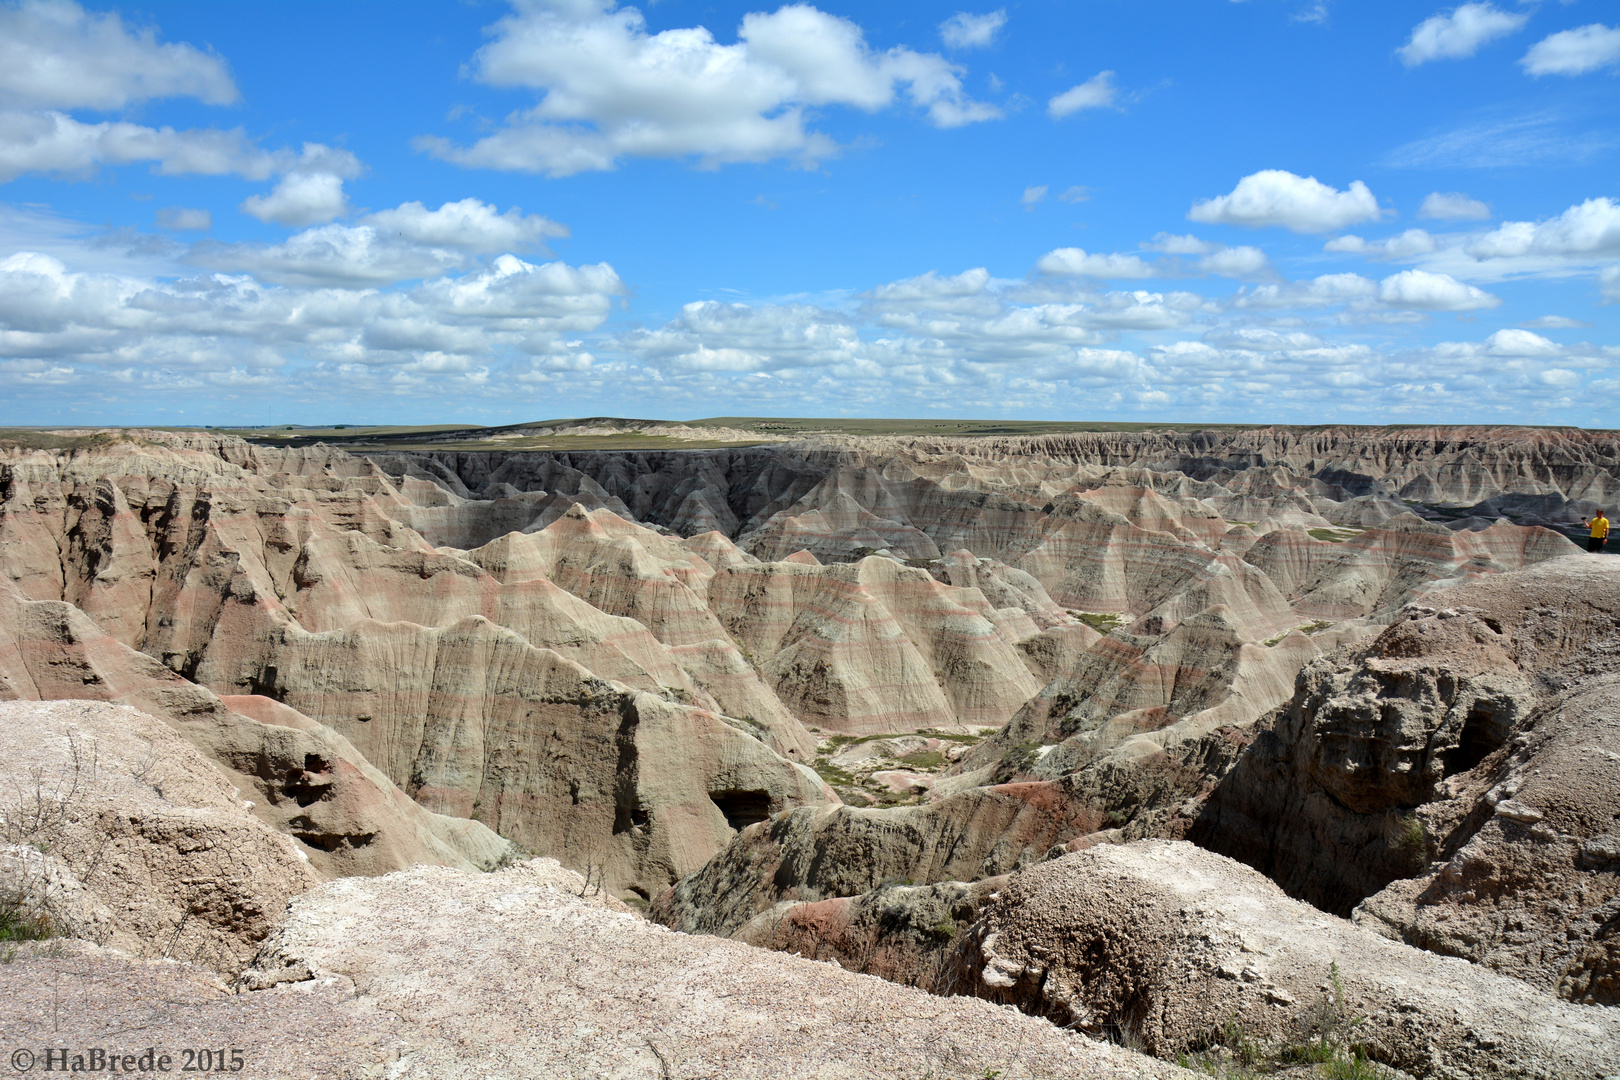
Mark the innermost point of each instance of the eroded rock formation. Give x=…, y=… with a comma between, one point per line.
x=1353, y=659
x=118, y=831
x=436, y=973
x=303, y=778
x=1173, y=944
x=624, y=658
x=1456, y=775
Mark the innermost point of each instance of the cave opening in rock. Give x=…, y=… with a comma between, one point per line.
x=742, y=808
x=1481, y=734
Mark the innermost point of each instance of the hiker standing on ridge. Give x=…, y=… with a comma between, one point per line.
x=1600, y=532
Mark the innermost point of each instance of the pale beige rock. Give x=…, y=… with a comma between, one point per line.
x=1006, y=589
x=1453, y=779
x=1389, y=564
x=122, y=833
x=1172, y=943
x=814, y=853
x=303, y=586
x=1131, y=695
x=873, y=647
x=351, y=590
x=301, y=777
x=627, y=571
x=515, y=974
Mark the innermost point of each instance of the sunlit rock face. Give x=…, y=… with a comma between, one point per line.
x=998, y=718
x=623, y=659
x=1452, y=781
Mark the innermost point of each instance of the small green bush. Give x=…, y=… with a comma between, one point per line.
x=1353, y=1066
x=1411, y=837
x=17, y=925
x=1324, y=1040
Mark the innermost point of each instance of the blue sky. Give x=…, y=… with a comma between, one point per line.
x=1267, y=210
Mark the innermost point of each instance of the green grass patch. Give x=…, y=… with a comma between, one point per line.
x=835, y=743
x=1018, y=759
x=1335, y=536
x=1101, y=621
x=1308, y=629
x=834, y=775
x=924, y=759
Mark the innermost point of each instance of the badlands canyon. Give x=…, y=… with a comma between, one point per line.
x=1088, y=754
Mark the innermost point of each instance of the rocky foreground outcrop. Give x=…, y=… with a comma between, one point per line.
x=115, y=830
x=1465, y=764
x=527, y=973
x=1453, y=784
x=1175, y=945
x=305, y=780
x=133, y=853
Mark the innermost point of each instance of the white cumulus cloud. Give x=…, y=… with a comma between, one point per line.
x=611, y=90
x=1173, y=244
x=311, y=192
x=344, y=256
x=967, y=293
x=1236, y=262
x=53, y=142
x=1512, y=342
x=300, y=199
x=574, y=297
x=468, y=225
x=56, y=58
x=1302, y=204
x=1033, y=195
x=216, y=333
x=1407, y=244
x=1453, y=206
x=1574, y=52
x=401, y=244
x=55, y=55
x=1097, y=92
x=712, y=336
x=1262, y=339
x=1589, y=230
x=406, y=303
x=1076, y=262
x=1325, y=291
x=1459, y=32
x=1422, y=290
x=966, y=31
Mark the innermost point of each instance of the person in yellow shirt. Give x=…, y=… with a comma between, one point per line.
x=1600, y=532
